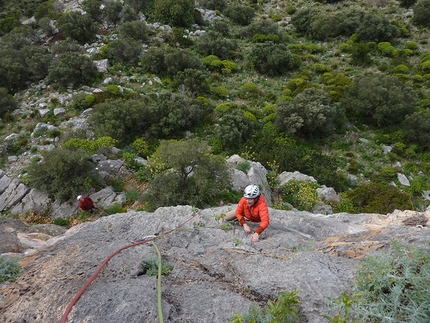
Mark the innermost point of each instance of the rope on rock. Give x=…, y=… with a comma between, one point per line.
x=99, y=269
x=160, y=309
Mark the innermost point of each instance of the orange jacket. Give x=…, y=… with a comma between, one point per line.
x=256, y=213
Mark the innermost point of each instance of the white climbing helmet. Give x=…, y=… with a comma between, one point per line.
x=251, y=191
x=79, y=197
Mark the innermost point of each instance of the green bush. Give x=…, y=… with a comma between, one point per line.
x=151, y=266
x=376, y=28
x=80, y=27
x=168, y=61
x=378, y=198
x=285, y=309
x=176, y=13
x=213, y=4
x=271, y=59
x=136, y=30
x=59, y=166
x=387, y=49
x=7, y=102
x=9, y=269
x=422, y=13
x=301, y=194
x=71, y=69
x=394, y=286
x=194, y=81
x=378, y=99
x=240, y=14
x=215, y=43
x=113, y=11
x=92, y=7
x=184, y=173
x=126, y=50
x=261, y=27
x=309, y=114
x=416, y=128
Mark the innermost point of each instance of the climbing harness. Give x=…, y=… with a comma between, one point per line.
x=134, y=244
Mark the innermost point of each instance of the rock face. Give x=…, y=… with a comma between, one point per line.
x=217, y=271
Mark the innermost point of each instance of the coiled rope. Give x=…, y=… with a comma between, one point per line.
x=99, y=269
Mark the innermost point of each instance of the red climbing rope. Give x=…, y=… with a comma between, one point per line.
x=90, y=280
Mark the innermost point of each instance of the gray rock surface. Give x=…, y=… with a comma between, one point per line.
x=216, y=273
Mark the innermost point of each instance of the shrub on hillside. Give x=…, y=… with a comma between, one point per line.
x=7, y=102
x=213, y=4
x=378, y=198
x=378, y=100
x=185, y=173
x=271, y=59
x=60, y=166
x=126, y=50
x=175, y=13
x=240, y=14
x=422, y=13
x=214, y=43
x=9, y=269
x=113, y=11
x=302, y=19
x=169, y=61
x=416, y=128
x=136, y=30
x=71, y=69
x=309, y=114
x=80, y=27
x=300, y=194
x=92, y=7
x=193, y=81
x=263, y=27
x=376, y=28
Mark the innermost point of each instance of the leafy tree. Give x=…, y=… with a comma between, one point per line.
x=302, y=19
x=214, y=43
x=7, y=102
x=416, y=128
x=185, y=173
x=71, y=69
x=136, y=30
x=240, y=14
x=67, y=45
x=113, y=11
x=59, y=166
x=45, y=10
x=178, y=13
x=378, y=100
x=193, y=81
x=310, y=114
x=10, y=22
x=376, y=28
x=125, y=50
x=80, y=27
x=407, y=3
x=128, y=14
x=271, y=59
x=422, y=13
x=234, y=129
x=264, y=27
x=213, y=4
x=92, y=7
x=120, y=119
x=167, y=60
x=360, y=54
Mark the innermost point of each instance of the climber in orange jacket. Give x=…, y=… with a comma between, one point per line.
x=86, y=203
x=252, y=207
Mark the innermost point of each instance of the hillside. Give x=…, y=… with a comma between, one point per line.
x=336, y=90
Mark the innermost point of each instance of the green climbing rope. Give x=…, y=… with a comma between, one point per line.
x=160, y=309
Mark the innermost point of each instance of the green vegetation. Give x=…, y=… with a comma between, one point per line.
x=151, y=266
x=286, y=308
x=9, y=269
x=321, y=95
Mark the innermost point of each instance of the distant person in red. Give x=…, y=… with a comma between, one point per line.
x=86, y=203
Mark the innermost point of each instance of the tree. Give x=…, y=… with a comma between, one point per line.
x=126, y=50
x=309, y=114
x=177, y=13
x=113, y=11
x=271, y=59
x=80, y=27
x=240, y=14
x=60, y=166
x=422, y=13
x=71, y=69
x=7, y=102
x=193, y=81
x=214, y=43
x=416, y=128
x=378, y=99
x=186, y=173
x=376, y=28
x=136, y=30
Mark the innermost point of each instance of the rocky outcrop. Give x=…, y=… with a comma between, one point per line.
x=217, y=271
